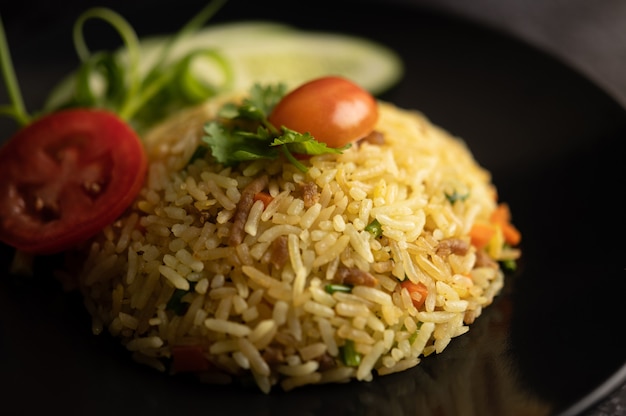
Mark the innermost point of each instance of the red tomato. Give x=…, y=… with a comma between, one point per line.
x=332, y=109
x=65, y=177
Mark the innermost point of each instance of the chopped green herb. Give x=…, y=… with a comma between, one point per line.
x=258, y=105
x=332, y=288
x=455, y=196
x=176, y=302
x=348, y=354
x=413, y=336
x=247, y=134
x=509, y=265
x=375, y=228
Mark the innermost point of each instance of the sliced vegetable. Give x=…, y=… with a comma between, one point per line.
x=267, y=53
x=332, y=109
x=349, y=355
x=123, y=83
x=417, y=292
x=17, y=109
x=502, y=217
x=332, y=288
x=65, y=177
x=481, y=233
x=70, y=173
x=375, y=228
x=499, y=225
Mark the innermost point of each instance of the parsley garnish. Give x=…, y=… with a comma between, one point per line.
x=244, y=132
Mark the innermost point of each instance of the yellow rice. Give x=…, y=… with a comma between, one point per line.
x=240, y=308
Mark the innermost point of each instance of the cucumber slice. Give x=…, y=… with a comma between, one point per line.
x=269, y=52
x=273, y=52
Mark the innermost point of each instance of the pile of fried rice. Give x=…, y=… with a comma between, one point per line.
x=304, y=287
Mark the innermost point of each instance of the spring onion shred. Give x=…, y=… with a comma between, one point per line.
x=337, y=288
x=129, y=37
x=16, y=109
x=138, y=92
x=349, y=355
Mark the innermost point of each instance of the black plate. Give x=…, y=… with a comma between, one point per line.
x=548, y=345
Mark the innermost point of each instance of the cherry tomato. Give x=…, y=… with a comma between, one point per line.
x=332, y=109
x=65, y=177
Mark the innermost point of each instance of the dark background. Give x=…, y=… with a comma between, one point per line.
x=589, y=36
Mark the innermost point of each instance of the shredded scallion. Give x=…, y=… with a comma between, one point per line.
x=349, y=355
x=332, y=288
x=113, y=80
x=17, y=109
x=375, y=228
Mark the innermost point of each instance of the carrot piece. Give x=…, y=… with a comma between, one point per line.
x=511, y=234
x=417, y=292
x=502, y=217
x=481, y=234
x=188, y=358
x=264, y=197
x=501, y=214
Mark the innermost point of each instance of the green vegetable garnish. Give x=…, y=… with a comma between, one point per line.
x=413, y=336
x=176, y=303
x=332, y=288
x=246, y=134
x=375, y=228
x=348, y=354
x=17, y=109
x=509, y=265
x=114, y=80
x=455, y=196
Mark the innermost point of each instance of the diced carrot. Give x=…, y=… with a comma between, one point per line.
x=188, y=358
x=264, y=197
x=502, y=217
x=501, y=214
x=481, y=233
x=417, y=292
x=511, y=234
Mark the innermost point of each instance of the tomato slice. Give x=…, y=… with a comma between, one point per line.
x=333, y=109
x=65, y=177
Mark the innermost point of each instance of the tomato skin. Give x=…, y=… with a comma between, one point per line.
x=65, y=177
x=332, y=109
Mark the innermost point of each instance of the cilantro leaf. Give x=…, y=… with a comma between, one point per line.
x=304, y=143
x=265, y=98
x=245, y=134
x=231, y=146
x=257, y=106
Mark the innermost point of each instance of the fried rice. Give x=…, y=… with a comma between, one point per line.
x=308, y=284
